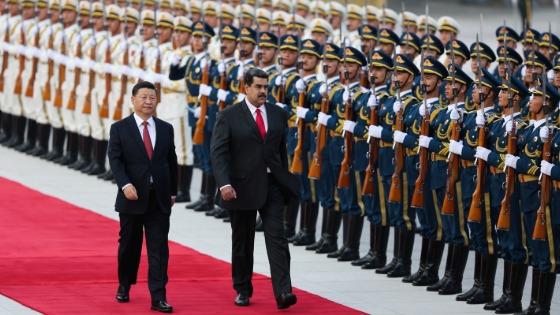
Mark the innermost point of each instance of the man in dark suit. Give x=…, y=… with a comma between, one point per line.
x=142, y=158
x=251, y=168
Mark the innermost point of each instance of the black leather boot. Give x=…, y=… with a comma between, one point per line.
x=330, y=243
x=454, y=284
x=84, y=153
x=485, y=293
x=309, y=223
x=187, y=179
x=318, y=243
x=547, y=281
x=342, y=248
x=100, y=152
x=18, y=131
x=436, y=286
x=202, y=197
x=512, y=304
x=31, y=137
x=210, y=192
x=369, y=256
x=380, y=248
x=355, y=227
x=535, y=287
x=391, y=265
x=433, y=261
x=71, y=150
x=181, y=173
x=42, y=145
x=6, y=128
x=290, y=220
x=476, y=286
x=59, y=135
x=402, y=269
x=423, y=261
x=505, y=285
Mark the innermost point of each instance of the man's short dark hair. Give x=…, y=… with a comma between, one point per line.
x=252, y=73
x=143, y=85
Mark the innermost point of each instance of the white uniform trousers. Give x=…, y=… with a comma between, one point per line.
x=173, y=109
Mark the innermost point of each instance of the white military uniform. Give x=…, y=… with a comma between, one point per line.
x=71, y=38
x=11, y=103
x=26, y=108
x=3, y=50
x=36, y=103
x=117, y=50
x=53, y=113
x=82, y=119
x=98, y=93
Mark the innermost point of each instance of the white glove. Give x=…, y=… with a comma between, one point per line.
x=117, y=71
x=70, y=64
x=240, y=97
x=280, y=80
x=281, y=105
x=399, y=136
x=222, y=95
x=205, y=90
x=203, y=63
x=176, y=59
x=301, y=112
x=323, y=89
x=301, y=86
x=349, y=126
x=546, y=167
x=375, y=131
x=222, y=67
x=372, y=101
x=91, y=42
x=323, y=118
x=511, y=161
x=197, y=112
x=456, y=146
x=241, y=72
x=422, y=110
x=397, y=107
x=509, y=126
x=480, y=119
x=29, y=52
x=543, y=133
x=424, y=141
x=482, y=153
x=44, y=57
x=98, y=68
x=454, y=115
x=347, y=94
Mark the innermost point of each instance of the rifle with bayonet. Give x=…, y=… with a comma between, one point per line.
x=61, y=67
x=223, y=83
x=297, y=162
x=198, y=137
x=475, y=212
x=117, y=115
x=5, y=54
x=46, y=94
x=364, y=75
x=346, y=165
x=29, y=91
x=369, y=180
x=142, y=59
x=395, y=193
x=71, y=105
x=19, y=84
x=241, y=59
x=157, y=68
x=92, y=56
x=104, y=111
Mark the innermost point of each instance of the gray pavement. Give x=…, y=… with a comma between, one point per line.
x=336, y=281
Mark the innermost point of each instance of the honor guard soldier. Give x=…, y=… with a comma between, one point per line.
x=409, y=45
x=296, y=25
x=372, y=13
x=514, y=251
x=266, y=4
x=247, y=13
x=80, y=88
x=324, y=175
x=484, y=239
x=196, y=10
x=375, y=204
x=192, y=73
x=338, y=12
x=10, y=103
x=166, y=6
x=284, y=6
x=388, y=41
x=134, y=42
x=150, y=5
x=26, y=110
x=512, y=38
x=354, y=20
x=227, y=14
x=279, y=23
x=462, y=55
x=421, y=29
x=264, y=18
x=318, y=9
x=528, y=37
x=321, y=31
x=487, y=56
x=515, y=61
x=408, y=20
x=40, y=113
x=308, y=88
x=387, y=18
x=548, y=46
x=268, y=48
x=135, y=4
x=302, y=8
x=535, y=64
x=448, y=29
x=211, y=17
x=5, y=117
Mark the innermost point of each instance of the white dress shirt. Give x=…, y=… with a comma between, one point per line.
x=254, y=109
x=151, y=130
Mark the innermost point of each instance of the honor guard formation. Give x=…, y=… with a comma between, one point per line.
x=382, y=127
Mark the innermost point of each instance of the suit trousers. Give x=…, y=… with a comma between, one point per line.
x=243, y=243
x=156, y=225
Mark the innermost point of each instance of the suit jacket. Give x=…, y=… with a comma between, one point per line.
x=130, y=164
x=240, y=157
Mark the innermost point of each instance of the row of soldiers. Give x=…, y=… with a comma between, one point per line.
x=384, y=127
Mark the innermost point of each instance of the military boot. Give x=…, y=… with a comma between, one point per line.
x=31, y=137
x=422, y=265
x=547, y=283
x=369, y=256
x=534, y=293
x=330, y=243
x=391, y=265
x=512, y=304
x=309, y=223
x=18, y=131
x=380, y=248
x=485, y=293
x=318, y=243
x=406, y=245
x=352, y=251
x=342, y=248
x=42, y=145
x=505, y=285
x=436, y=286
x=433, y=261
x=476, y=286
x=202, y=197
x=454, y=284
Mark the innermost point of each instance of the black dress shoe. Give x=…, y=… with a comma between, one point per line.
x=161, y=306
x=122, y=294
x=286, y=300
x=242, y=300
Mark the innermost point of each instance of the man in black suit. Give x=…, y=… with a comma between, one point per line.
x=142, y=158
x=251, y=168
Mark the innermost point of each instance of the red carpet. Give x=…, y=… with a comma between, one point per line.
x=57, y=258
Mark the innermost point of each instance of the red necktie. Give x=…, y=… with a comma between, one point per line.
x=147, y=140
x=260, y=124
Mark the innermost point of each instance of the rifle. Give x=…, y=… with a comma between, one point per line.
x=241, y=59
x=321, y=139
x=35, y=63
x=142, y=61
x=541, y=226
x=364, y=75
x=259, y=53
x=346, y=165
x=418, y=195
x=104, y=111
x=223, y=83
x=395, y=193
x=117, y=115
x=505, y=212
x=157, y=68
x=77, y=74
x=297, y=163
x=407, y=43
x=369, y=181
x=475, y=212
x=92, y=56
x=281, y=92
x=50, y=64
x=61, y=68
x=18, y=87
x=198, y=137
x=448, y=206
x=341, y=39
x=5, y=54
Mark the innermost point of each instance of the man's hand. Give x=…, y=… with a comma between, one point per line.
x=130, y=192
x=228, y=193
